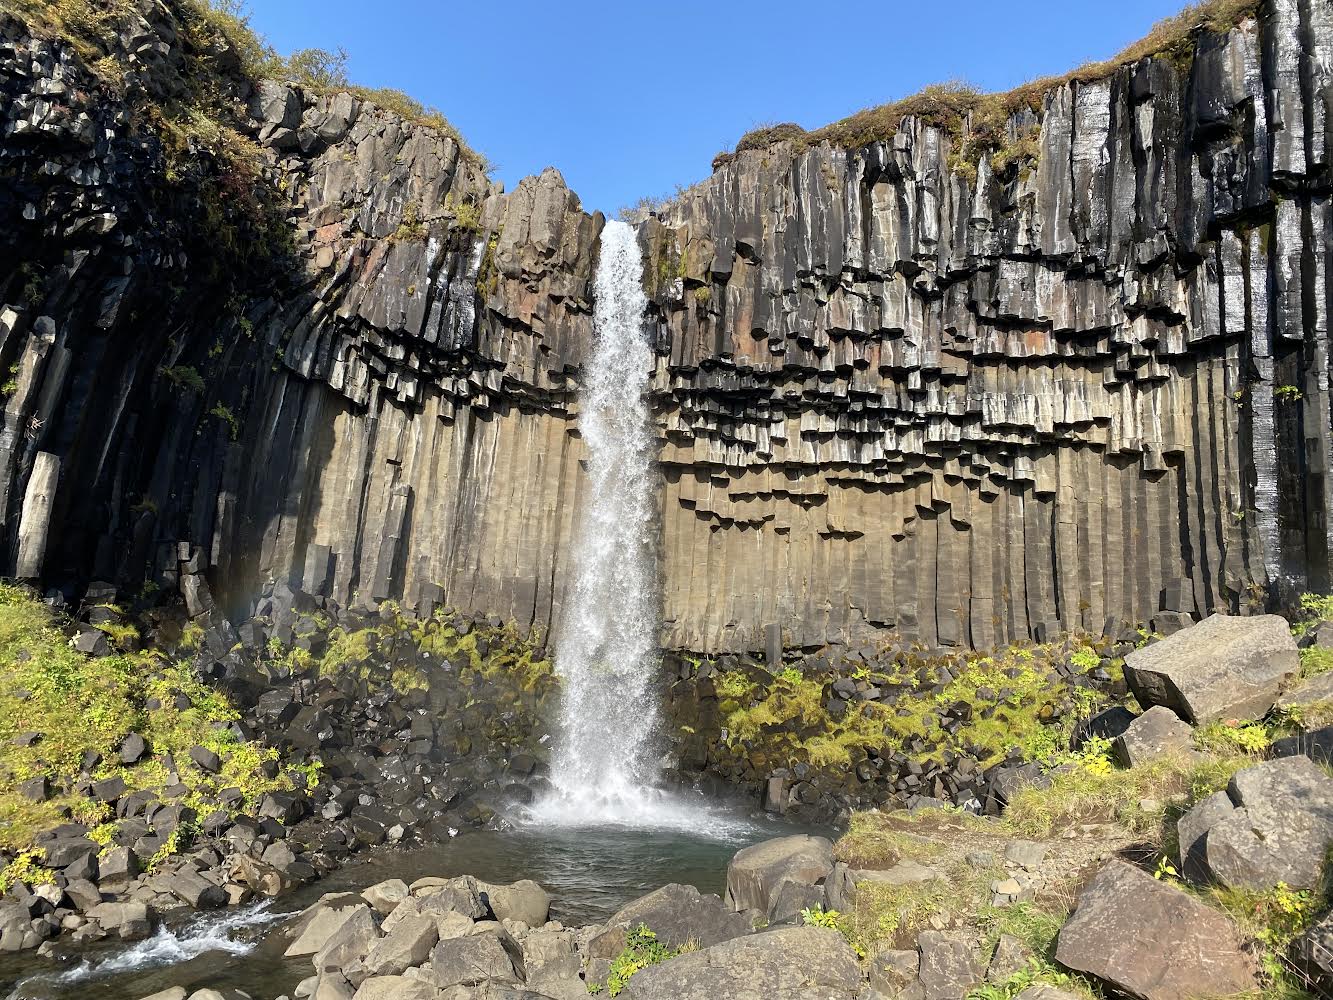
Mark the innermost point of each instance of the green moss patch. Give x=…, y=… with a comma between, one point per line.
x=81, y=705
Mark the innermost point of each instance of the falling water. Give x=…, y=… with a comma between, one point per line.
x=607, y=641
x=606, y=769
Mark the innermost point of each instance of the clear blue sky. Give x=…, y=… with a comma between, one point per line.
x=630, y=98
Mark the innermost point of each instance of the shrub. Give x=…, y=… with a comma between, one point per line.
x=184, y=377
x=642, y=949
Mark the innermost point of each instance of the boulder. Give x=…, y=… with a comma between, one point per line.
x=385, y=896
x=894, y=973
x=408, y=944
x=172, y=993
x=457, y=895
x=129, y=921
x=524, y=901
x=1152, y=941
x=350, y=943
x=1043, y=992
x=195, y=890
x=680, y=913
x=786, y=963
x=1155, y=733
x=1310, y=702
x=117, y=867
x=1225, y=667
x=1273, y=824
x=756, y=873
x=395, y=988
x=949, y=965
x=314, y=926
x=470, y=960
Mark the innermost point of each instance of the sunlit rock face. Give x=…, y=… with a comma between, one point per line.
x=1091, y=388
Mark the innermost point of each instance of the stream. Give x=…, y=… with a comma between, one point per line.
x=590, y=872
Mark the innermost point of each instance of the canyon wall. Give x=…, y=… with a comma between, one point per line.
x=895, y=391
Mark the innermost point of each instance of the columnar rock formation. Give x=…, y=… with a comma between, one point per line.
x=1092, y=387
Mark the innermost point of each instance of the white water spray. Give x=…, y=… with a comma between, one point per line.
x=606, y=652
x=606, y=769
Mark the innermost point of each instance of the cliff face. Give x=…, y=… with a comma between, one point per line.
x=1092, y=387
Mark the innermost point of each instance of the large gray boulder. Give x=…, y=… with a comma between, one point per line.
x=524, y=901
x=313, y=927
x=1149, y=940
x=1273, y=824
x=949, y=965
x=468, y=961
x=1156, y=733
x=1225, y=667
x=408, y=944
x=680, y=913
x=756, y=874
x=809, y=963
x=350, y=943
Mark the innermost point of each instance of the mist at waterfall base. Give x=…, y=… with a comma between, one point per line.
x=607, y=761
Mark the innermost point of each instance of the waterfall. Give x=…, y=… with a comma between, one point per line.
x=606, y=766
x=606, y=652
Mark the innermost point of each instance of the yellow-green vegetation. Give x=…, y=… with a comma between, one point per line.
x=1002, y=700
x=642, y=949
x=80, y=704
x=984, y=121
x=1037, y=928
x=360, y=652
x=25, y=868
x=1273, y=919
x=1312, y=610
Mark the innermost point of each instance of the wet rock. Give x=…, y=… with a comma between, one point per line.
x=1225, y=667
x=756, y=874
x=1150, y=940
x=195, y=890
x=129, y=921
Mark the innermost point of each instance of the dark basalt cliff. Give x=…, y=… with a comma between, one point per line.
x=1089, y=389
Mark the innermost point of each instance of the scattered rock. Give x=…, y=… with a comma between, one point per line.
x=949, y=966
x=680, y=913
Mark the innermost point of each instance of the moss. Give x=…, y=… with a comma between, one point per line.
x=988, y=706
x=80, y=704
x=980, y=121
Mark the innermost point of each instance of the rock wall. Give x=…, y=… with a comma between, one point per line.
x=1092, y=388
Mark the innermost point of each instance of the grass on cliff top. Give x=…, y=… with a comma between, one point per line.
x=80, y=704
x=952, y=107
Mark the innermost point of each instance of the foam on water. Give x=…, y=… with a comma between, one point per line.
x=213, y=933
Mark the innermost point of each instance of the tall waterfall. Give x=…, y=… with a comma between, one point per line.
x=606, y=652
